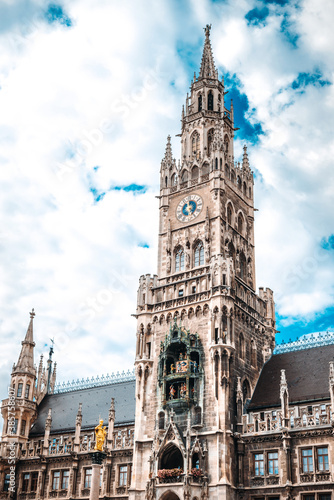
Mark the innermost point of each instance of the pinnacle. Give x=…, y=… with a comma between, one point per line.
x=208, y=69
x=168, y=152
x=26, y=358
x=245, y=161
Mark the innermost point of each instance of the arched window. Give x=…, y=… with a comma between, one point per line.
x=244, y=188
x=197, y=415
x=184, y=176
x=249, y=192
x=243, y=267
x=210, y=140
x=19, y=390
x=174, y=180
x=194, y=172
x=210, y=101
x=179, y=260
x=195, y=461
x=27, y=391
x=166, y=181
x=246, y=390
x=226, y=144
x=233, y=176
x=227, y=171
x=239, y=182
x=253, y=353
x=229, y=214
x=241, y=346
x=240, y=223
x=161, y=420
x=199, y=254
x=216, y=163
x=171, y=458
x=200, y=103
x=205, y=168
x=195, y=144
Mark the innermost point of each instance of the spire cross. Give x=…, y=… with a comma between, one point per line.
x=32, y=314
x=207, y=29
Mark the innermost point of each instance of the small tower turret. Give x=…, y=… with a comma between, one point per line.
x=23, y=381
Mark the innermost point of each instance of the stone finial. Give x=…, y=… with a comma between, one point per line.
x=112, y=409
x=245, y=161
x=48, y=420
x=331, y=388
x=331, y=372
x=284, y=394
x=208, y=69
x=168, y=153
x=78, y=419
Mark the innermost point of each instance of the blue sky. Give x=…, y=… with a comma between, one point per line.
x=89, y=91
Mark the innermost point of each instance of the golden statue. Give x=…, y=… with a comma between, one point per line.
x=100, y=435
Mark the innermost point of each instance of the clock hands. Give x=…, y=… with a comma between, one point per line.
x=189, y=209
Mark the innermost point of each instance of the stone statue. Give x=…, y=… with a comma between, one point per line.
x=187, y=260
x=169, y=263
x=100, y=435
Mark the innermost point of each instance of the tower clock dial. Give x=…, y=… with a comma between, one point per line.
x=189, y=208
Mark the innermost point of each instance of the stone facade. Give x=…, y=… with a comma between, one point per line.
x=211, y=412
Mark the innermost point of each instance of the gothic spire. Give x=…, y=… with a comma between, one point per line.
x=208, y=69
x=26, y=359
x=245, y=161
x=168, y=153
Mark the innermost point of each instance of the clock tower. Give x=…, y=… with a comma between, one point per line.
x=203, y=332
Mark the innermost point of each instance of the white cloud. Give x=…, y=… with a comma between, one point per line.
x=61, y=252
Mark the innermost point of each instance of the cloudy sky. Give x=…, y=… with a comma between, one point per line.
x=89, y=91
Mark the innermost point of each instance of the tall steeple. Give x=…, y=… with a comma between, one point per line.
x=208, y=69
x=25, y=362
x=198, y=314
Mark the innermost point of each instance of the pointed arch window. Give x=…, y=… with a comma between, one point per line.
x=210, y=140
x=229, y=215
x=242, y=266
x=226, y=144
x=195, y=144
x=240, y=223
x=246, y=390
x=19, y=390
x=184, y=176
x=179, y=260
x=199, y=254
x=27, y=391
x=241, y=346
x=199, y=103
x=194, y=172
x=210, y=101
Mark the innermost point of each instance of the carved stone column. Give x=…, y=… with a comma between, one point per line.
x=97, y=459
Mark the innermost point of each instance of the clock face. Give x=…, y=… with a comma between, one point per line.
x=189, y=208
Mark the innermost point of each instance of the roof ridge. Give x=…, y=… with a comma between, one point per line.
x=98, y=381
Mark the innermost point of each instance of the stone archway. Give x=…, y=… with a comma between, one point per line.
x=169, y=495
